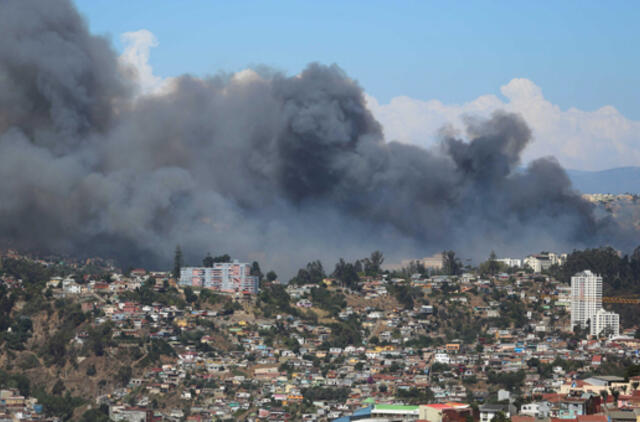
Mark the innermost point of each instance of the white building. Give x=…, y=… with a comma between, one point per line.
x=489, y=411
x=605, y=322
x=538, y=410
x=434, y=262
x=227, y=277
x=586, y=297
x=442, y=358
x=586, y=305
x=544, y=260
x=69, y=286
x=511, y=262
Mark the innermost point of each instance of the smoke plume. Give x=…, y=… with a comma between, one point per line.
x=264, y=166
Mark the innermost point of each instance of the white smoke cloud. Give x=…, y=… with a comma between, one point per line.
x=134, y=64
x=584, y=140
x=135, y=57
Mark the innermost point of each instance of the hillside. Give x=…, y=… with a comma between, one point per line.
x=615, y=181
x=87, y=345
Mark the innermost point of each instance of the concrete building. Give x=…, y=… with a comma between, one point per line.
x=489, y=411
x=442, y=358
x=229, y=277
x=542, y=261
x=434, y=262
x=586, y=305
x=443, y=412
x=511, y=262
x=395, y=412
x=606, y=323
x=586, y=297
x=539, y=410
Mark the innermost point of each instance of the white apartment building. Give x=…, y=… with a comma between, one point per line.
x=511, y=262
x=605, y=322
x=434, y=262
x=442, y=358
x=229, y=277
x=544, y=260
x=586, y=297
x=586, y=305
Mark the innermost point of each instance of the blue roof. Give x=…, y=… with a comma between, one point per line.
x=365, y=411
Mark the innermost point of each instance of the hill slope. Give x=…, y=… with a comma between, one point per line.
x=616, y=181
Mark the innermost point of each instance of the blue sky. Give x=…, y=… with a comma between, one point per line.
x=580, y=53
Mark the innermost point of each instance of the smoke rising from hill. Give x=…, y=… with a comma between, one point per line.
x=264, y=166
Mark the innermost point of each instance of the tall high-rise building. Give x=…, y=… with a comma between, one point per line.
x=586, y=305
x=586, y=297
x=229, y=277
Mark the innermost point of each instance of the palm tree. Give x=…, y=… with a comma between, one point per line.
x=605, y=395
x=615, y=394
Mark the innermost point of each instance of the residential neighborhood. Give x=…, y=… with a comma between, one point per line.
x=388, y=346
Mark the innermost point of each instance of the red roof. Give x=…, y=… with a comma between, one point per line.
x=522, y=418
x=592, y=418
x=438, y=406
x=552, y=397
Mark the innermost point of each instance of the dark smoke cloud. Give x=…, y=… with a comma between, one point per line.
x=282, y=169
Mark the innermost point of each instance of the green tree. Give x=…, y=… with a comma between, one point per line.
x=100, y=414
x=313, y=273
x=255, y=270
x=58, y=388
x=271, y=276
x=189, y=296
x=373, y=264
x=222, y=259
x=346, y=274
x=91, y=370
x=404, y=294
x=124, y=375
x=450, y=263
x=500, y=417
x=493, y=264
x=615, y=393
x=208, y=261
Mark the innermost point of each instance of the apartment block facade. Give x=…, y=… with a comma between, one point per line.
x=586, y=305
x=586, y=297
x=227, y=277
x=605, y=322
